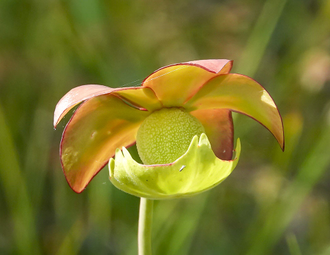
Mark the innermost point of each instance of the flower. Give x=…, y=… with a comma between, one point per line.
x=204, y=91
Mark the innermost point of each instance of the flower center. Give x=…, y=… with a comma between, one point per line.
x=165, y=135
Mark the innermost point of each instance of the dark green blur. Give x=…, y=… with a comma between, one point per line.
x=273, y=203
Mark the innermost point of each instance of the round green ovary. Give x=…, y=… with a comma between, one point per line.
x=165, y=135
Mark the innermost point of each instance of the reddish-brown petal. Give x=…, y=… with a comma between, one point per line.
x=137, y=96
x=218, y=124
x=175, y=84
x=241, y=94
x=99, y=126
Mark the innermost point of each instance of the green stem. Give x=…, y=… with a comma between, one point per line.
x=145, y=220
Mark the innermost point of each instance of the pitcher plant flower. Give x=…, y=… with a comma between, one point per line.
x=180, y=119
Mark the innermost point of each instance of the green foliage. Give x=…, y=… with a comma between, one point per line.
x=273, y=203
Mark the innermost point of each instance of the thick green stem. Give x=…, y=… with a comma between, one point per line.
x=145, y=220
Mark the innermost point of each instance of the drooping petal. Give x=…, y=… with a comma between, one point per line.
x=138, y=96
x=99, y=126
x=218, y=125
x=241, y=94
x=174, y=84
x=196, y=171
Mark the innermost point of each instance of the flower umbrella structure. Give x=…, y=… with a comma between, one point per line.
x=203, y=92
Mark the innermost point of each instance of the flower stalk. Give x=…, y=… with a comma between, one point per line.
x=145, y=222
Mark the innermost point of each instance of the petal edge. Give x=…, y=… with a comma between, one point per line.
x=241, y=94
x=97, y=128
x=175, y=84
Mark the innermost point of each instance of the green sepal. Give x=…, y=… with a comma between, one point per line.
x=195, y=171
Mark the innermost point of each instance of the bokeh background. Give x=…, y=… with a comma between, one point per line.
x=273, y=203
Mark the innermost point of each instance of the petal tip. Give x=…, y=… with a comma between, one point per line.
x=214, y=65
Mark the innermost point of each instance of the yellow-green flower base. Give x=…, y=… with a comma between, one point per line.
x=195, y=171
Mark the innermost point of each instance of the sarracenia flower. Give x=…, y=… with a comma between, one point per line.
x=180, y=118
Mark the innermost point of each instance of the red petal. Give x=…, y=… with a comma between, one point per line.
x=218, y=124
x=137, y=96
x=219, y=66
x=76, y=96
x=99, y=126
x=242, y=94
x=175, y=84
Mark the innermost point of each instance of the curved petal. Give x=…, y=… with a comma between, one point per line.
x=143, y=98
x=219, y=66
x=241, y=94
x=136, y=96
x=76, y=96
x=196, y=171
x=99, y=126
x=218, y=125
x=175, y=84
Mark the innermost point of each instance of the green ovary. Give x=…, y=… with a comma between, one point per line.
x=165, y=135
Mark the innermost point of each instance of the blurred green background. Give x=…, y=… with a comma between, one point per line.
x=273, y=203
